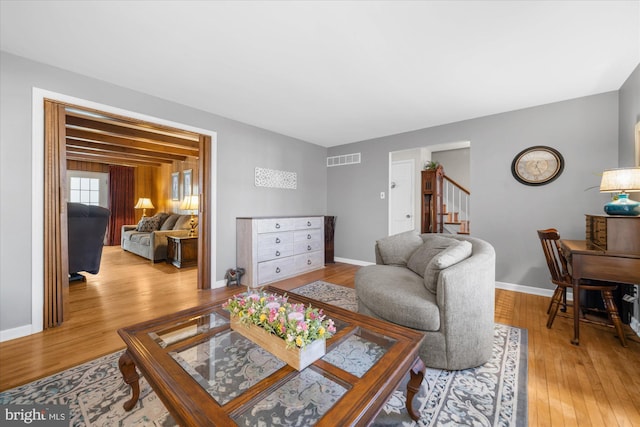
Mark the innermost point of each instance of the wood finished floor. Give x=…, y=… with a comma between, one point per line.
x=595, y=384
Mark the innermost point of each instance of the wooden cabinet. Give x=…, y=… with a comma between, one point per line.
x=182, y=251
x=271, y=249
x=431, y=204
x=614, y=233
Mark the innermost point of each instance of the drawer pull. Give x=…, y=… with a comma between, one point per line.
x=277, y=240
x=277, y=269
x=308, y=223
x=277, y=225
x=308, y=262
x=308, y=247
x=277, y=253
x=308, y=236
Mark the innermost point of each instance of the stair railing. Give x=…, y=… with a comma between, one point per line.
x=456, y=199
x=444, y=202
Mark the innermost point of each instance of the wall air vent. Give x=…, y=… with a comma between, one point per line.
x=343, y=160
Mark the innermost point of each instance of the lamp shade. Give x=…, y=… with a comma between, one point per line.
x=189, y=203
x=619, y=180
x=144, y=203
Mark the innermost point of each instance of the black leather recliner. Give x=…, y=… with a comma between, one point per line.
x=86, y=226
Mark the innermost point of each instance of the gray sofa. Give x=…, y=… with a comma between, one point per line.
x=148, y=238
x=436, y=284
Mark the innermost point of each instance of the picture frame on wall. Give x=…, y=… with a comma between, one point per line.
x=175, y=186
x=187, y=182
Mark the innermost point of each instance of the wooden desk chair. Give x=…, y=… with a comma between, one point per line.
x=561, y=277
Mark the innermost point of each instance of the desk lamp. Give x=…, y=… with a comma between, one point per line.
x=190, y=203
x=144, y=204
x=621, y=181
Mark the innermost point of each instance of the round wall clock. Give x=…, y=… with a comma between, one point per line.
x=537, y=165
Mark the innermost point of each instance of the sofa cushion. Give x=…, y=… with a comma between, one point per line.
x=411, y=305
x=170, y=222
x=148, y=224
x=397, y=249
x=432, y=246
x=453, y=254
x=162, y=216
x=141, y=238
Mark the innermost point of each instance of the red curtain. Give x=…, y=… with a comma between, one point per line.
x=121, y=201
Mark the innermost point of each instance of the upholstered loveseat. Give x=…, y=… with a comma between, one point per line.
x=148, y=238
x=442, y=285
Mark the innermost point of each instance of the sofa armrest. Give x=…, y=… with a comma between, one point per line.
x=129, y=227
x=466, y=298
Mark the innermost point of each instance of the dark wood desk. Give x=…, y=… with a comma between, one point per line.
x=589, y=261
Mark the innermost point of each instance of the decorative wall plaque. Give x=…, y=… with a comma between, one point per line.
x=276, y=179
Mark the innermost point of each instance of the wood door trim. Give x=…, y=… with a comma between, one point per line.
x=56, y=266
x=204, y=242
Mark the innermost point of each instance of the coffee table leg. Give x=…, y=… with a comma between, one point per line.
x=413, y=386
x=131, y=377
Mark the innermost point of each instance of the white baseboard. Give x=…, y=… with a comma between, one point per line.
x=527, y=289
x=219, y=284
x=19, y=332
x=353, y=261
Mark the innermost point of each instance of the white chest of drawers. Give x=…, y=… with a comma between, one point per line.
x=271, y=249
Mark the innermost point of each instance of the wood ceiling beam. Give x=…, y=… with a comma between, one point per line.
x=151, y=146
x=112, y=158
x=103, y=148
x=107, y=161
x=119, y=129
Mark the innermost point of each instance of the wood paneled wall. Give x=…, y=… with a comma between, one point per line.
x=190, y=163
x=76, y=165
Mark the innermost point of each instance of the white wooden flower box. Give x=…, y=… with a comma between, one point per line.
x=297, y=358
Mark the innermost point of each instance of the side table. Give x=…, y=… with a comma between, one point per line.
x=182, y=251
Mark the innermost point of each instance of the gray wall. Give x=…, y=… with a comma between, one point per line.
x=456, y=164
x=629, y=106
x=240, y=149
x=504, y=212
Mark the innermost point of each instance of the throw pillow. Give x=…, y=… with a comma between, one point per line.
x=162, y=216
x=432, y=246
x=396, y=249
x=148, y=224
x=170, y=222
x=452, y=255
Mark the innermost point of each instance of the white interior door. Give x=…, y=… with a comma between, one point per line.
x=401, y=196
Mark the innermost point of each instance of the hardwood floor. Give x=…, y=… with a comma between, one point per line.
x=595, y=384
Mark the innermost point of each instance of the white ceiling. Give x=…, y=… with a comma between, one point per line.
x=336, y=72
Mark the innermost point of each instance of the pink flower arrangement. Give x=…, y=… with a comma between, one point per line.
x=296, y=324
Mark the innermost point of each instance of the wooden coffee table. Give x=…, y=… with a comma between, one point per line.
x=206, y=374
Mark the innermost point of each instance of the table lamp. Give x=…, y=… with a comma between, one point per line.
x=190, y=203
x=621, y=181
x=144, y=204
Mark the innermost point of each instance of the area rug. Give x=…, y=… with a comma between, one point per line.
x=493, y=394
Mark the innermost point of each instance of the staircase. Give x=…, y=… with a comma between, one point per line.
x=445, y=204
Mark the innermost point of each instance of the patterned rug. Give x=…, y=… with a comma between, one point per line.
x=493, y=394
